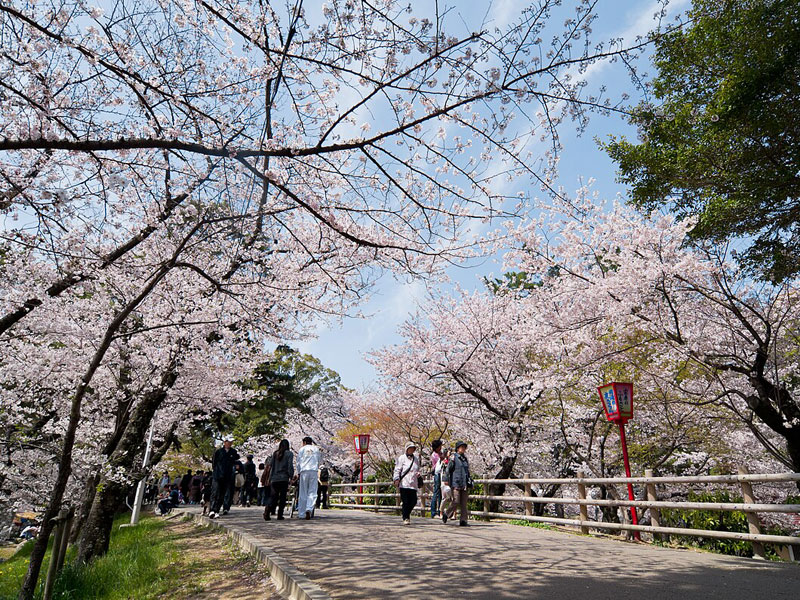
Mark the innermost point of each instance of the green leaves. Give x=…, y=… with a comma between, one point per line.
x=722, y=140
x=287, y=380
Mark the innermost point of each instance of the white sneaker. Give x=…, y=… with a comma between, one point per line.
x=225, y=511
x=406, y=521
x=212, y=515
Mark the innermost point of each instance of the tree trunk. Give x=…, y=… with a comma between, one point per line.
x=65, y=462
x=96, y=533
x=87, y=498
x=97, y=529
x=610, y=513
x=28, y=588
x=499, y=489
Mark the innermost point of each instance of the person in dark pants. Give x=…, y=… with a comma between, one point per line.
x=186, y=481
x=250, y=488
x=322, y=488
x=205, y=493
x=406, y=474
x=460, y=481
x=281, y=473
x=167, y=504
x=436, y=497
x=222, y=473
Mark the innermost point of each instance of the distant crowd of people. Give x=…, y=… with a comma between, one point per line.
x=233, y=482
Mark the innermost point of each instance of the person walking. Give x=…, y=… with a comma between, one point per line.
x=406, y=479
x=223, y=469
x=308, y=459
x=261, y=485
x=322, y=488
x=460, y=481
x=186, y=482
x=436, y=497
x=281, y=472
x=238, y=483
x=447, y=491
x=194, y=488
x=250, y=481
x=205, y=492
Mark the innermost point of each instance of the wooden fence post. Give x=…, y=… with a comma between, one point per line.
x=485, y=502
x=752, y=518
x=422, y=500
x=377, y=500
x=397, y=499
x=655, y=513
x=65, y=538
x=528, y=503
x=52, y=569
x=582, y=507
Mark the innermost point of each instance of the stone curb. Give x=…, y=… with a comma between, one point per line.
x=289, y=580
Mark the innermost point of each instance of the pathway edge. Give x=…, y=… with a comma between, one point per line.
x=290, y=581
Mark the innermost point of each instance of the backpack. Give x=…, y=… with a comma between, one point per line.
x=323, y=474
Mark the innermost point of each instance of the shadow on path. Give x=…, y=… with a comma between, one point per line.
x=354, y=554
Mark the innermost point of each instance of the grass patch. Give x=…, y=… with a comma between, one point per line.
x=537, y=525
x=133, y=568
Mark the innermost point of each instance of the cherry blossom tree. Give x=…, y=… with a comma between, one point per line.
x=156, y=156
x=622, y=283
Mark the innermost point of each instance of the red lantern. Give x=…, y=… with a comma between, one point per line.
x=361, y=442
x=617, y=399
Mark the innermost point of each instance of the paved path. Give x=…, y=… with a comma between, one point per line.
x=353, y=554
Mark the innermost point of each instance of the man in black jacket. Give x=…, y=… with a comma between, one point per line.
x=222, y=473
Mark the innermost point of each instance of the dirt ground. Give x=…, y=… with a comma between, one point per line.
x=207, y=566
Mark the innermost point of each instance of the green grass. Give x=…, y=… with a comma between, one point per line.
x=536, y=524
x=133, y=568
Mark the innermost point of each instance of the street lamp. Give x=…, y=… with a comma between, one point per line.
x=617, y=399
x=361, y=442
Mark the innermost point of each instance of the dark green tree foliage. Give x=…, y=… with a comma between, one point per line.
x=720, y=140
x=286, y=381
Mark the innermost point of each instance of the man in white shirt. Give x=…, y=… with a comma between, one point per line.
x=308, y=460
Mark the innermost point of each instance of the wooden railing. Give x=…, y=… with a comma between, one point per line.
x=652, y=505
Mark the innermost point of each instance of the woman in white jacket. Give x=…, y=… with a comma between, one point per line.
x=406, y=472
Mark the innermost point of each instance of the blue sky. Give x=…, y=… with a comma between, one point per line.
x=342, y=346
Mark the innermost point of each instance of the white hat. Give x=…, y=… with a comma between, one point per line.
x=410, y=445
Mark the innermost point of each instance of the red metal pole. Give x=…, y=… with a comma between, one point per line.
x=634, y=518
x=361, y=479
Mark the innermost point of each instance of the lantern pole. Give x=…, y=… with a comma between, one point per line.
x=634, y=518
x=361, y=479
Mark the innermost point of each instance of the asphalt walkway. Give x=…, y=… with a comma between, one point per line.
x=355, y=554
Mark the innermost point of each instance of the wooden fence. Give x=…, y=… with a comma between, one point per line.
x=788, y=546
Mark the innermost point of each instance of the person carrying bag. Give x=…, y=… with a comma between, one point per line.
x=460, y=481
x=407, y=480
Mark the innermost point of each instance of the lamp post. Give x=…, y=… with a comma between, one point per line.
x=137, y=503
x=361, y=442
x=617, y=399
